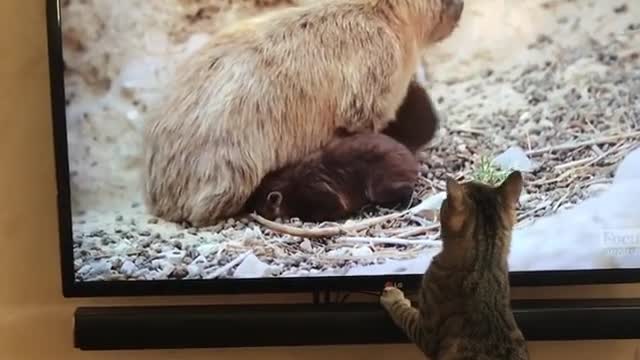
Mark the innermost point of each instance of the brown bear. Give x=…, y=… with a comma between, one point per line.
x=269, y=90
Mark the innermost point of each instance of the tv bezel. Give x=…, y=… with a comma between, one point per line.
x=71, y=288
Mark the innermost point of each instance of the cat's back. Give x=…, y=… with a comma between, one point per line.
x=501, y=342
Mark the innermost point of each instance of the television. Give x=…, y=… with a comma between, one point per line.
x=549, y=88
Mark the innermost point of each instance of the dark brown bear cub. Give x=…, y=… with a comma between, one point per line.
x=338, y=180
x=416, y=121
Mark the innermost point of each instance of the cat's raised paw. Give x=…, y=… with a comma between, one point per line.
x=392, y=295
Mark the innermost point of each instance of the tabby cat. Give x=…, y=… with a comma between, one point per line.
x=464, y=302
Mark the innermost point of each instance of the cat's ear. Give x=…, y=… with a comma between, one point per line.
x=274, y=199
x=511, y=188
x=455, y=193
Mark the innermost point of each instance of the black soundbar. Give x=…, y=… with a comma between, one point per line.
x=175, y=327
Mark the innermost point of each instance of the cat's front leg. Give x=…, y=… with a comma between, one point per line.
x=392, y=295
x=403, y=314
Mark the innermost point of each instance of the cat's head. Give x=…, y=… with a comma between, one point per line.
x=478, y=217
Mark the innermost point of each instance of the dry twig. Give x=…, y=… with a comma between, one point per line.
x=228, y=266
x=387, y=240
x=602, y=140
x=325, y=232
x=418, y=230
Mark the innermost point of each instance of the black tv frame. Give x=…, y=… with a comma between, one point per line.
x=71, y=288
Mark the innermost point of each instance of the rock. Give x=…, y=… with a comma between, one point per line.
x=159, y=263
x=629, y=168
x=339, y=252
x=122, y=248
x=306, y=245
x=157, y=248
x=194, y=270
x=207, y=249
x=145, y=242
x=77, y=264
x=116, y=277
x=175, y=256
x=279, y=253
x=362, y=251
x=431, y=203
x=525, y=116
x=252, y=267
x=139, y=73
x=128, y=268
x=180, y=272
x=133, y=114
x=164, y=266
x=200, y=261
x=524, y=197
x=196, y=267
x=621, y=9
x=514, y=158
x=95, y=269
x=579, y=74
x=84, y=270
x=98, y=233
x=116, y=262
x=545, y=123
x=141, y=274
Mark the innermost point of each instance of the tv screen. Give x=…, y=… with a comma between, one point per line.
x=157, y=159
